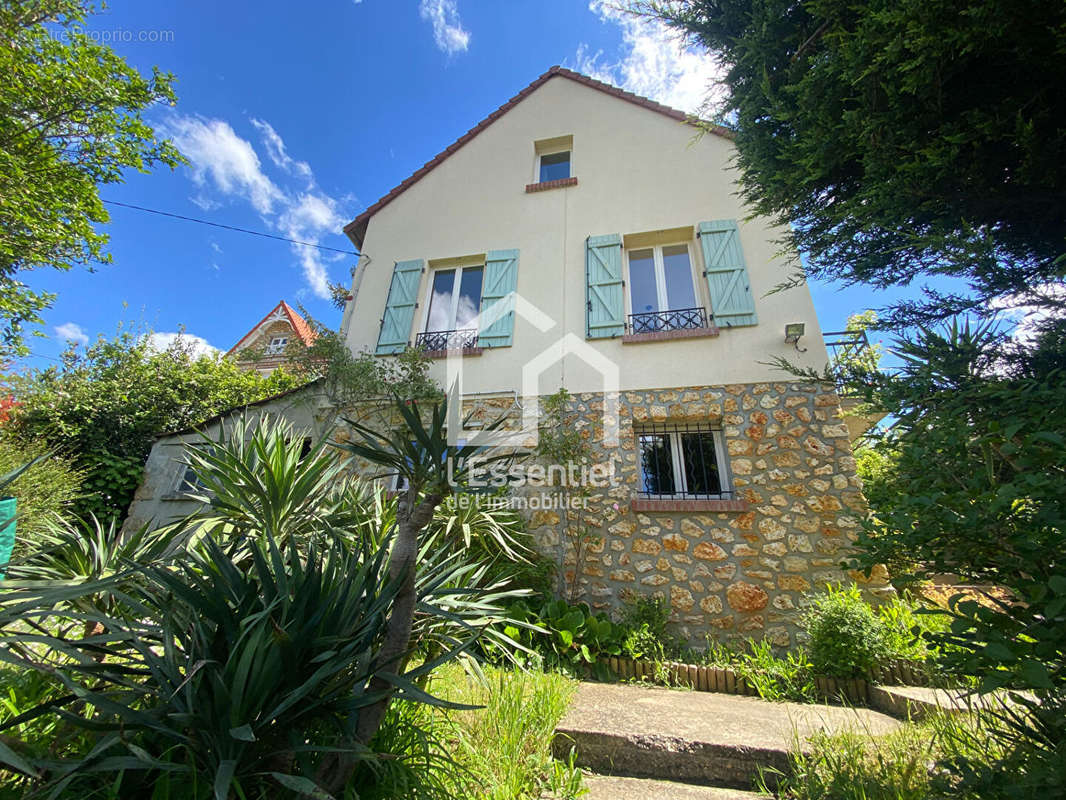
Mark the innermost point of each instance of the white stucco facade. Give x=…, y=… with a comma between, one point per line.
x=638, y=172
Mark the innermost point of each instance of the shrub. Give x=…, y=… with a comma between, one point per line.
x=104, y=405
x=847, y=639
x=47, y=488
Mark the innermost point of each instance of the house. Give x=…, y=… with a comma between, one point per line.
x=584, y=238
x=263, y=348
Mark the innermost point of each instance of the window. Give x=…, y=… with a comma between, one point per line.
x=554, y=166
x=190, y=482
x=277, y=345
x=682, y=461
x=662, y=289
x=452, y=309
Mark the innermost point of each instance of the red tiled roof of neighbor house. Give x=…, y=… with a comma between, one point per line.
x=356, y=229
x=298, y=323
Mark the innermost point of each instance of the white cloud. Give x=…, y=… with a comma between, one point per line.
x=448, y=30
x=225, y=163
x=307, y=217
x=71, y=332
x=1030, y=310
x=654, y=61
x=275, y=148
x=196, y=345
x=217, y=153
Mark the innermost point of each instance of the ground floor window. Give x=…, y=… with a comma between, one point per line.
x=685, y=460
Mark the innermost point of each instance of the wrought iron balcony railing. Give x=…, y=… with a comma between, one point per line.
x=465, y=339
x=681, y=319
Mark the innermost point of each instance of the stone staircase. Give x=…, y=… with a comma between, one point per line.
x=660, y=743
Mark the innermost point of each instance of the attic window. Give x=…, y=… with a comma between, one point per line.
x=555, y=166
x=277, y=345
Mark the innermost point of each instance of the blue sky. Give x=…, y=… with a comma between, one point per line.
x=297, y=116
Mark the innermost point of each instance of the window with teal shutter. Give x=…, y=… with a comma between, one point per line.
x=400, y=307
x=603, y=272
x=498, y=298
x=732, y=302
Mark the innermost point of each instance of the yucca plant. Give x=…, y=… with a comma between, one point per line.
x=420, y=453
x=252, y=660
x=223, y=670
x=257, y=477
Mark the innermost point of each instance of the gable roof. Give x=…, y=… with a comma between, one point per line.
x=284, y=311
x=356, y=229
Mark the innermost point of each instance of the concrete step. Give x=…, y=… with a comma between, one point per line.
x=696, y=737
x=604, y=787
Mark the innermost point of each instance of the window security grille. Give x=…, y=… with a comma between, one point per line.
x=682, y=461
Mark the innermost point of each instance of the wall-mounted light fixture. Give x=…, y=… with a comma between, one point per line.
x=793, y=332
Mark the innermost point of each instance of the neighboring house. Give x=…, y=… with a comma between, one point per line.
x=584, y=238
x=263, y=348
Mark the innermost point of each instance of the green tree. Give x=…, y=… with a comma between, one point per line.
x=970, y=480
x=351, y=379
x=104, y=405
x=70, y=120
x=898, y=139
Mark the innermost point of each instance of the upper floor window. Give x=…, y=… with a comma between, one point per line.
x=454, y=298
x=554, y=166
x=682, y=461
x=662, y=289
x=277, y=345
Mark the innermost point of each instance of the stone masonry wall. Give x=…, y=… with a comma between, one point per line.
x=728, y=569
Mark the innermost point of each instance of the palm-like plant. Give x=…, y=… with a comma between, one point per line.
x=431, y=467
x=253, y=658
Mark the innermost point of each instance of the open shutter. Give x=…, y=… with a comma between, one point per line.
x=497, y=298
x=400, y=307
x=732, y=302
x=603, y=271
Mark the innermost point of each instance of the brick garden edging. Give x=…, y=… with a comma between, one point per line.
x=729, y=681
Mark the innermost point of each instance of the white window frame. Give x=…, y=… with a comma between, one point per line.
x=277, y=345
x=677, y=462
x=660, y=276
x=453, y=313
x=536, y=166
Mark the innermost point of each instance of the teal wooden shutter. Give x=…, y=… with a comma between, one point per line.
x=400, y=307
x=603, y=272
x=497, y=298
x=732, y=302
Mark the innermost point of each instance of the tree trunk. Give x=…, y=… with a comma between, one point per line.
x=411, y=517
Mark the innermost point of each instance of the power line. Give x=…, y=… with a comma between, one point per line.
x=231, y=228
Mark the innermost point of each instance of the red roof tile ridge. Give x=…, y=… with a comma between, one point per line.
x=298, y=323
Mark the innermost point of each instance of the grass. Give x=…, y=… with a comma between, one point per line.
x=506, y=746
x=902, y=765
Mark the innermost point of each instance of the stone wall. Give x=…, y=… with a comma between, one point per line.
x=730, y=569
x=733, y=568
